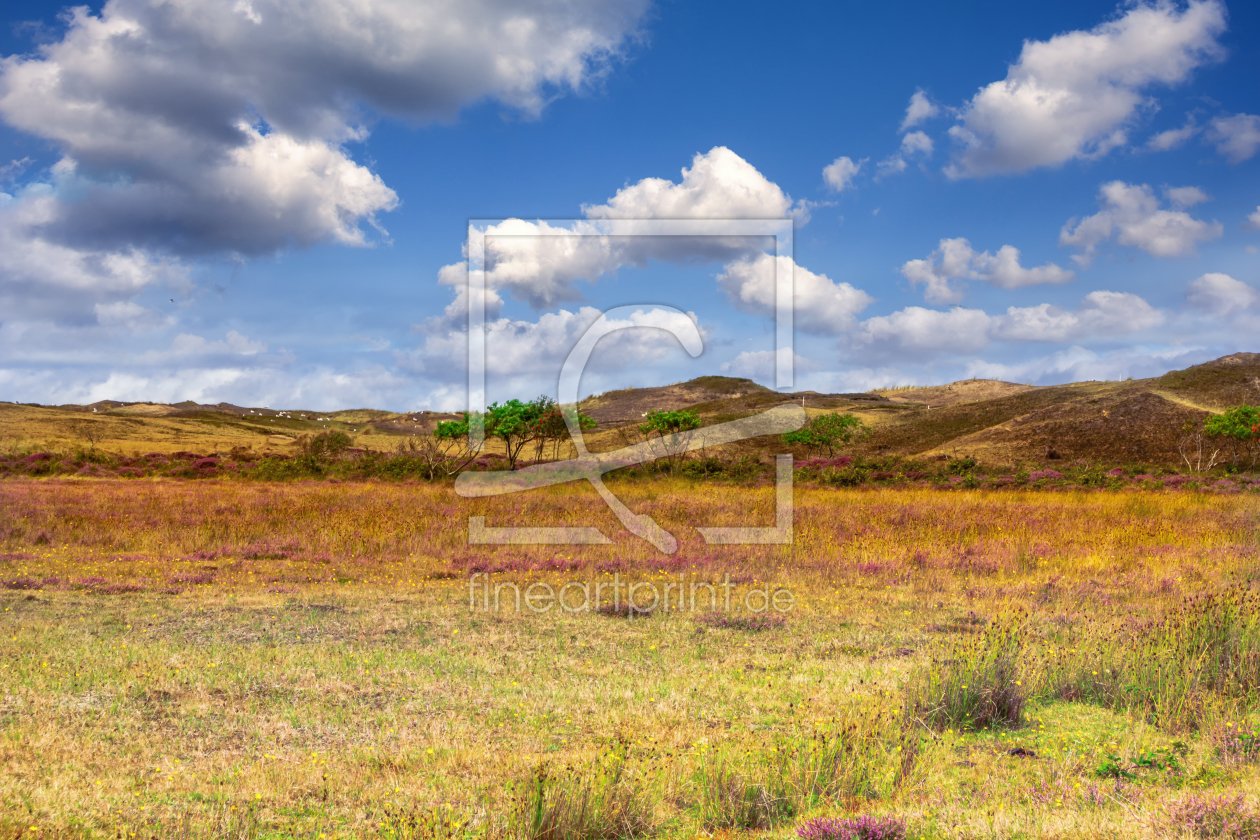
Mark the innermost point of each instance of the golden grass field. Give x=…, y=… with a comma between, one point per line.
x=247, y=659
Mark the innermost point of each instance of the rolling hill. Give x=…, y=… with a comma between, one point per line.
x=997, y=422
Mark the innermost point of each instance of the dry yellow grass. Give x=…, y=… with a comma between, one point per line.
x=320, y=670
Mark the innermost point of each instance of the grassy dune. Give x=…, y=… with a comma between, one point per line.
x=229, y=659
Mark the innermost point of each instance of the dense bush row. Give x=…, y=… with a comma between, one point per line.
x=841, y=471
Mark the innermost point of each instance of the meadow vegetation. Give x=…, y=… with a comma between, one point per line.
x=1054, y=657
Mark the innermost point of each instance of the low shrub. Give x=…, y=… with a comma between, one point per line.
x=975, y=683
x=853, y=828
x=1202, y=656
x=603, y=801
x=1213, y=818
x=844, y=476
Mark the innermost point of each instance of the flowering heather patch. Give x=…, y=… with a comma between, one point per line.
x=864, y=827
x=825, y=463
x=750, y=623
x=1214, y=818
x=1237, y=743
x=1045, y=475
x=89, y=583
x=22, y=583
x=122, y=588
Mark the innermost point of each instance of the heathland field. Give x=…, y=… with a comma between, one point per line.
x=246, y=659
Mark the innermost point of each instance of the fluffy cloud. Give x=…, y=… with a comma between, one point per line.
x=1183, y=197
x=1077, y=364
x=1173, y=138
x=759, y=365
x=914, y=332
x=1253, y=221
x=185, y=346
x=1221, y=295
x=839, y=174
x=317, y=389
x=44, y=280
x=1100, y=314
x=1132, y=214
x=955, y=258
x=919, y=110
x=823, y=306
x=913, y=144
x=207, y=127
x=916, y=142
x=542, y=264
x=1237, y=138
x=204, y=125
x=719, y=185
x=1075, y=95
x=517, y=347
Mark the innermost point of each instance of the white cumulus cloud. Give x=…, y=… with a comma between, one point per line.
x=839, y=174
x=913, y=144
x=918, y=333
x=916, y=330
x=1100, y=314
x=1131, y=213
x=1221, y=295
x=719, y=185
x=823, y=306
x=1076, y=94
x=517, y=347
x=919, y=110
x=202, y=126
x=955, y=259
x=1236, y=138
x=542, y=264
x=1173, y=138
x=759, y=365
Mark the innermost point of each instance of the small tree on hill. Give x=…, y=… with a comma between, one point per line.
x=1239, y=428
x=516, y=424
x=552, y=427
x=826, y=433
x=672, y=430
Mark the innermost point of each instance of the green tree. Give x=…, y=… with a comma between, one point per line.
x=826, y=433
x=1240, y=428
x=516, y=424
x=552, y=427
x=672, y=430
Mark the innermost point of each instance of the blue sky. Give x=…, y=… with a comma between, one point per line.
x=259, y=201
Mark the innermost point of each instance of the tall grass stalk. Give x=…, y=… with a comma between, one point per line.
x=975, y=683
x=1201, y=660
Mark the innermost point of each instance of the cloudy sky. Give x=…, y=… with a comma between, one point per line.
x=266, y=201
